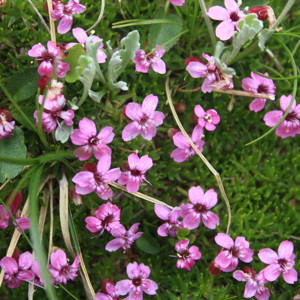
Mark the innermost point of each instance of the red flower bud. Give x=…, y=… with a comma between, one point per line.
x=42, y=82
x=104, y=284
x=5, y=116
x=190, y=59
x=15, y=203
x=171, y=132
x=264, y=13
x=180, y=107
x=214, y=269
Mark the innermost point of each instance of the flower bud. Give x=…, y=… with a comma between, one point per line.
x=180, y=107
x=264, y=13
x=214, y=269
x=104, y=284
x=171, y=132
x=77, y=199
x=42, y=82
x=15, y=203
x=191, y=59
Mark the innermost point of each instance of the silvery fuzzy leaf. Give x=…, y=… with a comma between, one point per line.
x=63, y=132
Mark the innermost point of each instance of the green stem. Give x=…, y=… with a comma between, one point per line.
x=208, y=23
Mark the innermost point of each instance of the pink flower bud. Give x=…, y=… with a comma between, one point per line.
x=180, y=107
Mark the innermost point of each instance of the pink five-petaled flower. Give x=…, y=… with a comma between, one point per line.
x=135, y=175
x=229, y=15
x=228, y=259
x=254, y=283
x=17, y=272
x=81, y=36
x=282, y=262
x=198, y=210
x=86, y=136
x=107, y=218
x=59, y=268
x=64, y=12
x=261, y=85
x=177, y=2
x=291, y=125
x=172, y=224
x=123, y=239
x=207, y=119
x=48, y=60
x=97, y=178
x=138, y=282
x=53, y=109
x=185, y=150
x=143, y=61
x=214, y=76
x=6, y=124
x=186, y=256
x=145, y=119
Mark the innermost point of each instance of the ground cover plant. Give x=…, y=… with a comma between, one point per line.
x=149, y=149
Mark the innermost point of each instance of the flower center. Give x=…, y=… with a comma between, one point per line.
x=208, y=118
x=3, y=120
x=98, y=179
x=199, y=208
x=143, y=120
x=263, y=89
x=234, y=16
x=234, y=251
x=136, y=172
x=137, y=281
x=184, y=255
x=93, y=141
x=292, y=117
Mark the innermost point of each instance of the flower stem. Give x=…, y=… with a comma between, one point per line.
x=140, y=195
x=244, y=94
x=208, y=23
x=39, y=15
x=99, y=17
x=206, y=162
x=52, y=27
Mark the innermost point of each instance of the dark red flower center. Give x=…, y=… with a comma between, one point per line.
x=234, y=16
x=93, y=141
x=199, y=208
x=263, y=89
x=137, y=281
x=5, y=116
x=136, y=172
x=234, y=251
x=98, y=179
x=292, y=117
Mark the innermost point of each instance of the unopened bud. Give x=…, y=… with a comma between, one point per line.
x=191, y=59
x=264, y=13
x=180, y=107
x=214, y=269
x=171, y=132
x=42, y=82
x=77, y=199
x=104, y=284
x=15, y=203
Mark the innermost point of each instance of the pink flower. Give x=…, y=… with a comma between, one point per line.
x=227, y=259
x=201, y=202
x=207, y=119
x=185, y=150
x=143, y=61
x=48, y=59
x=145, y=119
x=291, y=125
x=4, y=217
x=107, y=218
x=186, y=256
x=96, y=179
x=229, y=15
x=24, y=223
x=59, y=268
x=110, y=293
x=172, y=224
x=17, y=272
x=254, y=283
x=81, y=36
x=6, y=124
x=258, y=84
x=123, y=239
x=53, y=111
x=177, y=2
x=282, y=262
x=138, y=282
x=214, y=76
x=64, y=13
x=87, y=136
x=135, y=175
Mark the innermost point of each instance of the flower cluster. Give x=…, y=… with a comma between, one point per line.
x=20, y=268
x=6, y=124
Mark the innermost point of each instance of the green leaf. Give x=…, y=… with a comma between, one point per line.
x=148, y=244
x=23, y=85
x=96, y=96
x=63, y=132
x=161, y=33
x=12, y=147
x=126, y=215
x=73, y=60
x=122, y=57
